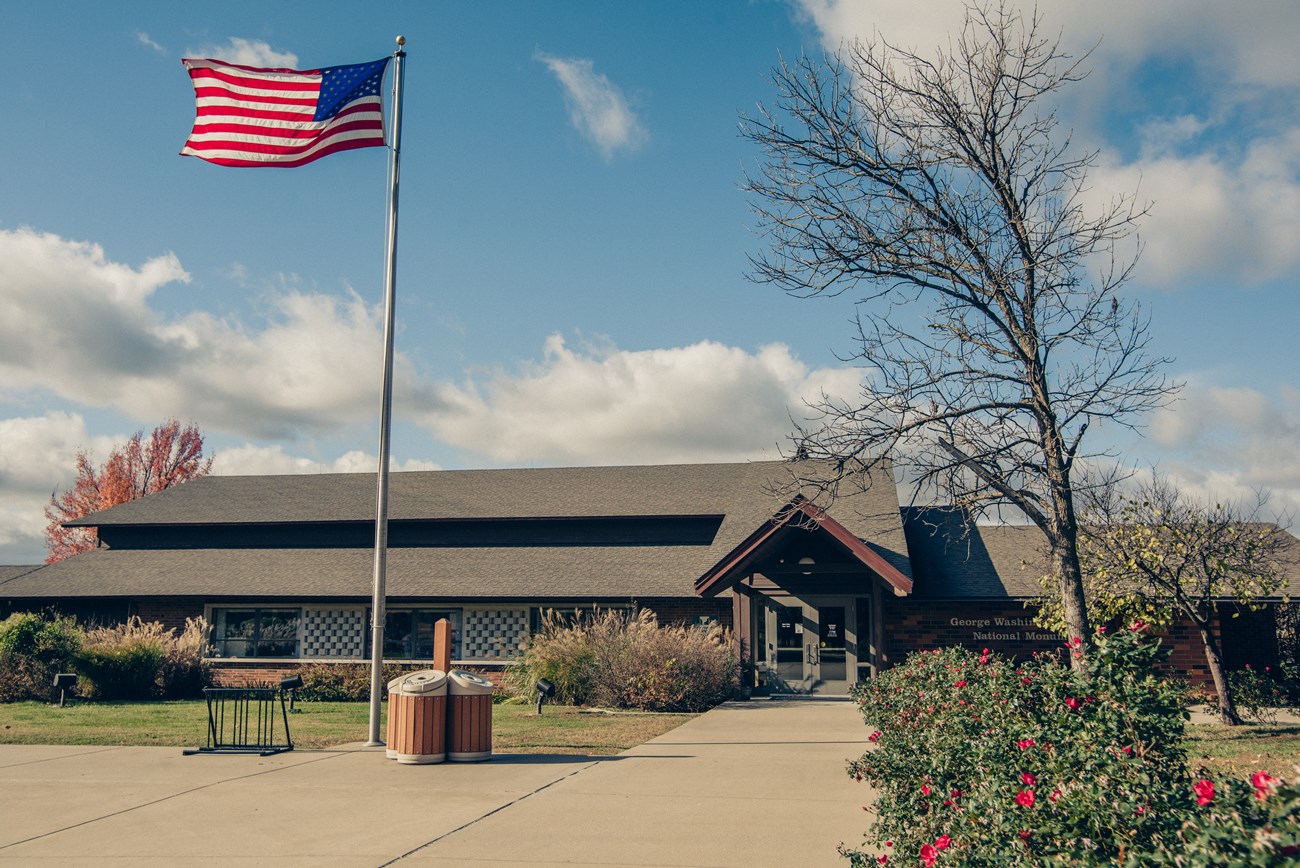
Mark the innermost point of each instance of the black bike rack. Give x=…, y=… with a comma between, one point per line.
x=244, y=720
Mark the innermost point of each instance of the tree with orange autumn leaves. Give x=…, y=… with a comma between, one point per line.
x=171, y=455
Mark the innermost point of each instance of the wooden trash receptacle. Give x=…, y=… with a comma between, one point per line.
x=469, y=717
x=418, y=709
x=391, y=728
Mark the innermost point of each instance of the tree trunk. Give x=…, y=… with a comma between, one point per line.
x=1065, y=563
x=1227, y=710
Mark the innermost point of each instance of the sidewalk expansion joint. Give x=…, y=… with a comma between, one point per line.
x=158, y=801
x=50, y=759
x=495, y=810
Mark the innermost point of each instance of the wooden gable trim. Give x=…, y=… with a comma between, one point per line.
x=724, y=574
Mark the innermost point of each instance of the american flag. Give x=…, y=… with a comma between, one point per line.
x=245, y=116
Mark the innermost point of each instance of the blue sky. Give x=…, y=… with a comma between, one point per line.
x=572, y=262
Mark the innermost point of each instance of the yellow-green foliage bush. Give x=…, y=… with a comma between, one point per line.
x=619, y=660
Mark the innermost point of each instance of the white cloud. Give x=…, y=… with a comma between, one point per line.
x=1251, y=43
x=249, y=52
x=258, y=460
x=1226, y=195
x=1227, y=442
x=144, y=39
x=81, y=326
x=597, y=107
x=38, y=454
x=704, y=402
x=1214, y=217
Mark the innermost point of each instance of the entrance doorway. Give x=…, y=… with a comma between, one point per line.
x=812, y=646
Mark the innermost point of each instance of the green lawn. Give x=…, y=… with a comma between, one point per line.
x=1241, y=750
x=515, y=728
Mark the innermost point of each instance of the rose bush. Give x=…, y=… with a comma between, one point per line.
x=1004, y=762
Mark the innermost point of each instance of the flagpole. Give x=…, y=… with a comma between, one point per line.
x=377, y=607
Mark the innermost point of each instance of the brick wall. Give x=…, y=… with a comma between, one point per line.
x=170, y=611
x=1008, y=628
x=687, y=611
x=1005, y=627
x=226, y=673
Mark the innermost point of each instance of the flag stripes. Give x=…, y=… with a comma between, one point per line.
x=246, y=116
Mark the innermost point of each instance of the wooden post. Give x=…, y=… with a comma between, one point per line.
x=442, y=645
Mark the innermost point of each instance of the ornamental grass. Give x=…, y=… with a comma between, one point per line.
x=615, y=659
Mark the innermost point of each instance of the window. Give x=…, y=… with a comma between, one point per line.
x=256, y=632
x=408, y=633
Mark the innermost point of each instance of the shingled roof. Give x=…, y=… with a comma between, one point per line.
x=744, y=495
x=955, y=558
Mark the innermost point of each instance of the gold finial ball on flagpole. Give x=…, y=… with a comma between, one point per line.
x=401, y=40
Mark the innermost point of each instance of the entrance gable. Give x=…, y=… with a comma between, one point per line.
x=799, y=514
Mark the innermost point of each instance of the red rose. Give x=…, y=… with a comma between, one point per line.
x=928, y=854
x=1025, y=798
x=961, y=683
x=942, y=842
x=875, y=735
x=925, y=789
x=1028, y=780
x=1025, y=743
x=1073, y=703
x=1264, y=784
x=882, y=859
x=1204, y=790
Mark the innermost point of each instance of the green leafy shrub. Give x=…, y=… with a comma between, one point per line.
x=126, y=671
x=1254, y=822
x=342, y=682
x=629, y=661
x=33, y=648
x=981, y=760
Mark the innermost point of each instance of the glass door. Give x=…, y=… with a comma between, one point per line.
x=791, y=658
x=832, y=665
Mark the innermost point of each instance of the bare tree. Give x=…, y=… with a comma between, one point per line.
x=1156, y=554
x=940, y=193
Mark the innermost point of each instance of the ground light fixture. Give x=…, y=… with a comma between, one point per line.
x=63, y=682
x=291, y=683
x=545, y=690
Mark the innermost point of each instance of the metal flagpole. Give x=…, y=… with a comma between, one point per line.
x=385, y=418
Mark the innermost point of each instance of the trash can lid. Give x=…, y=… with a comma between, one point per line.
x=424, y=681
x=461, y=682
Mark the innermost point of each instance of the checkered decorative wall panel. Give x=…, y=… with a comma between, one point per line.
x=333, y=633
x=493, y=634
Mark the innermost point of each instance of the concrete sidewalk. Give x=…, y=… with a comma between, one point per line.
x=758, y=783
